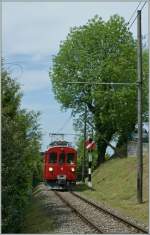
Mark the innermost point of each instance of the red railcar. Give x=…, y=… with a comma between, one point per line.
x=60, y=162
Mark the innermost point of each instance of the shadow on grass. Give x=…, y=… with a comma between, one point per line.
x=83, y=187
x=38, y=219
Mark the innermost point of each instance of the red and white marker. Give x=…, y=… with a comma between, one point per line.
x=90, y=145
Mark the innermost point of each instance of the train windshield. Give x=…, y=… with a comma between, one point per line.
x=52, y=157
x=61, y=158
x=70, y=158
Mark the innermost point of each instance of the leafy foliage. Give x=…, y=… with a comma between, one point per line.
x=99, y=52
x=20, y=155
x=145, y=84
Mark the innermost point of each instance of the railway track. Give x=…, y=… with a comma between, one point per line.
x=123, y=220
x=101, y=219
x=84, y=218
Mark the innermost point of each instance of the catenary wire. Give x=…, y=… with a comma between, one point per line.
x=64, y=124
x=143, y=5
x=136, y=15
x=132, y=23
x=134, y=11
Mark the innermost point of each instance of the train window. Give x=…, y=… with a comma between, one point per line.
x=61, y=158
x=52, y=157
x=70, y=158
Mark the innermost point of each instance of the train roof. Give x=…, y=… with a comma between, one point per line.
x=60, y=143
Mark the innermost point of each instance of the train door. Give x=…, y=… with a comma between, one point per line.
x=61, y=162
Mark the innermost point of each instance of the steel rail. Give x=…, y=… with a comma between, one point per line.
x=125, y=221
x=87, y=221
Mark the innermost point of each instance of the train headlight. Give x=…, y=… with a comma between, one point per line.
x=50, y=169
x=72, y=169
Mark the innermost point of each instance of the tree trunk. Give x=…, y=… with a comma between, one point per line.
x=102, y=146
x=122, y=146
x=116, y=153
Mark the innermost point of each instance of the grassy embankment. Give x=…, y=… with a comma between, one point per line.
x=38, y=220
x=114, y=184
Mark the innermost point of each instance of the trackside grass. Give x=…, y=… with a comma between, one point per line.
x=114, y=184
x=38, y=220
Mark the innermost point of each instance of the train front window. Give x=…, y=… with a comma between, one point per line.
x=61, y=158
x=70, y=158
x=52, y=157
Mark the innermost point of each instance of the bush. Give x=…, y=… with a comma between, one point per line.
x=20, y=155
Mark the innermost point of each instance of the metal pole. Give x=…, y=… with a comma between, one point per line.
x=84, y=149
x=140, y=147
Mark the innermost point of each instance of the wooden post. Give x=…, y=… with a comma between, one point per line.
x=140, y=129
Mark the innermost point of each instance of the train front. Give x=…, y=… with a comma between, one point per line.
x=60, y=164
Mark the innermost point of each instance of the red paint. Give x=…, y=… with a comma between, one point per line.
x=60, y=168
x=90, y=145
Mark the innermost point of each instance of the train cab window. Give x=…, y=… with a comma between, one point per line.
x=52, y=157
x=70, y=158
x=61, y=158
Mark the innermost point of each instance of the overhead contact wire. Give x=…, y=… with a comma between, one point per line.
x=134, y=11
x=136, y=15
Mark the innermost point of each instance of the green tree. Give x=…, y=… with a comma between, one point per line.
x=99, y=52
x=145, y=84
x=20, y=155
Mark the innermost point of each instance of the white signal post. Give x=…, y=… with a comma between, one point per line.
x=90, y=146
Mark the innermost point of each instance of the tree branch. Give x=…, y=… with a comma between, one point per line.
x=110, y=145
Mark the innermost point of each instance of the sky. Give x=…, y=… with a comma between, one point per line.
x=31, y=35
